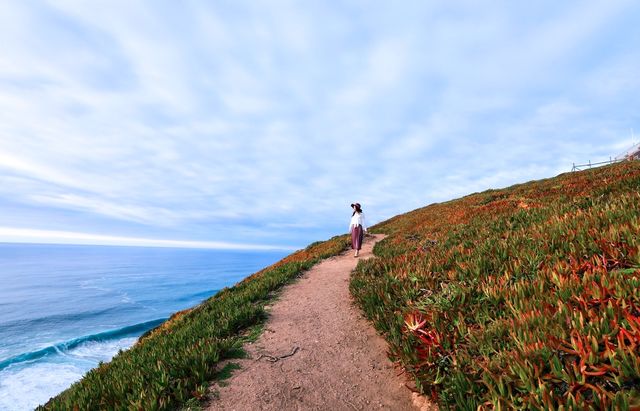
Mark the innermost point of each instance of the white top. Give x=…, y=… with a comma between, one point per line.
x=357, y=219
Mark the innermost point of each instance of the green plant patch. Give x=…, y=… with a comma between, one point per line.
x=172, y=366
x=523, y=298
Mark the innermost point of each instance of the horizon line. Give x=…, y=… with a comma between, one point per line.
x=37, y=236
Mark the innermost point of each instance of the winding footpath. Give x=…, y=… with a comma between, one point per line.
x=317, y=352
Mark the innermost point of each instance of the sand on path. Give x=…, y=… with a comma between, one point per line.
x=333, y=359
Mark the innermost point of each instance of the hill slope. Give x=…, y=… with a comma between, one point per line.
x=525, y=297
x=173, y=364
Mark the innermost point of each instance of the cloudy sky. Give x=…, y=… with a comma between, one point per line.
x=235, y=123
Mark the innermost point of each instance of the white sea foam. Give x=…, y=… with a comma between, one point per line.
x=124, y=297
x=24, y=386
x=96, y=351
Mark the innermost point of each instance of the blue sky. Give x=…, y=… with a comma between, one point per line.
x=243, y=124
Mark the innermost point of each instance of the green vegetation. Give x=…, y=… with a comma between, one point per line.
x=174, y=364
x=521, y=298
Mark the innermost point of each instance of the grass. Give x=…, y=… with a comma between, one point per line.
x=172, y=366
x=521, y=298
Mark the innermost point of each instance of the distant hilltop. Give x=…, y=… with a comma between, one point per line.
x=632, y=153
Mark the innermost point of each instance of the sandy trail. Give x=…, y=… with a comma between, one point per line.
x=340, y=362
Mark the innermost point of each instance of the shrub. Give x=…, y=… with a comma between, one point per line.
x=521, y=298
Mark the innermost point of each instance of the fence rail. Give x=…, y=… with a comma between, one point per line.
x=633, y=153
x=579, y=167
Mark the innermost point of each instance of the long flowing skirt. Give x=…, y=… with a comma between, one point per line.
x=357, y=235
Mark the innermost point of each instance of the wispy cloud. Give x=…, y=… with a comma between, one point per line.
x=264, y=120
x=10, y=234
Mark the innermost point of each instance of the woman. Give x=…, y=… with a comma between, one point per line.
x=357, y=228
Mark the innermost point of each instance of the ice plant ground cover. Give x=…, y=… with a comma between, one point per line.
x=522, y=298
x=175, y=363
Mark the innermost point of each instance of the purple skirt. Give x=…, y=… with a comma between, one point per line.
x=357, y=234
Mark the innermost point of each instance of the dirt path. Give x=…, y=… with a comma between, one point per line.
x=334, y=358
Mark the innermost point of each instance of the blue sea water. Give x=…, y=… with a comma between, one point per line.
x=64, y=308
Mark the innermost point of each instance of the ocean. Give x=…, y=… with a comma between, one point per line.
x=65, y=308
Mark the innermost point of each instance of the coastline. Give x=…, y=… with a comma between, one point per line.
x=66, y=309
x=188, y=345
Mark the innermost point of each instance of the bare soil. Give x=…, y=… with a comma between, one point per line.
x=317, y=352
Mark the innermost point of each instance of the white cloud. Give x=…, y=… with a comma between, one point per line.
x=270, y=118
x=21, y=235
x=383, y=68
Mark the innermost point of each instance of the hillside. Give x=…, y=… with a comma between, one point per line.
x=526, y=297
x=172, y=365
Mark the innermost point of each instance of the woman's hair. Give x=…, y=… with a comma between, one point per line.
x=357, y=209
